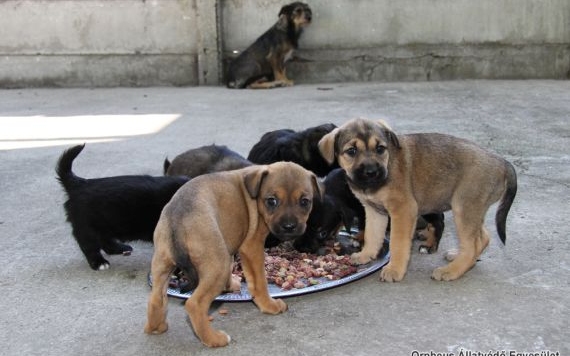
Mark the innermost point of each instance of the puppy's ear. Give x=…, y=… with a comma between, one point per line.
x=286, y=10
x=327, y=146
x=317, y=189
x=390, y=135
x=253, y=179
x=284, y=14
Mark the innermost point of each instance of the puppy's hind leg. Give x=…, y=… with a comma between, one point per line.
x=89, y=244
x=431, y=235
x=473, y=239
x=213, y=278
x=161, y=269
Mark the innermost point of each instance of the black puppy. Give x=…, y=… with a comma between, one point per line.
x=203, y=160
x=300, y=147
x=104, y=211
x=350, y=210
x=345, y=206
x=339, y=207
x=262, y=65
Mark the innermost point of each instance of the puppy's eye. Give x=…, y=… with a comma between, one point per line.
x=351, y=151
x=305, y=202
x=380, y=149
x=271, y=202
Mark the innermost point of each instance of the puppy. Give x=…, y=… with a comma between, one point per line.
x=262, y=65
x=205, y=159
x=104, y=211
x=402, y=176
x=300, y=147
x=214, y=158
x=339, y=207
x=345, y=204
x=215, y=216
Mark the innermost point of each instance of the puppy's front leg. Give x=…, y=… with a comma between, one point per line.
x=253, y=264
x=281, y=78
x=374, y=233
x=402, y=230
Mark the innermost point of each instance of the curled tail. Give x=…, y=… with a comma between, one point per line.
x=64, y=164
x=506, y=201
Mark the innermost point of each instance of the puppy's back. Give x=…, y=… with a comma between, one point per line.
x=203, y=160
x=269, y=148
x=215, y=194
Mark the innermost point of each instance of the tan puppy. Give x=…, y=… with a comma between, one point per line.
x=215, y=216
x=402, y=176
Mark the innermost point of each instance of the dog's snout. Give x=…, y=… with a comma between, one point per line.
x=371, y=171
x=308, y=17
x=289, y=226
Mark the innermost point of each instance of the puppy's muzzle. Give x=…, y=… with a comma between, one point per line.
x=288, y=228
x=369, y=176
x=318, y=233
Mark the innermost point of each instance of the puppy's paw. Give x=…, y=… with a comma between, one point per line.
x=282, y=83
x=444, y=274
x=217, y=338
x=427, y=249
x=450, y=255
x=362, y=257
x=274, y=306
x=234, y=284
x=390, y=274
x=103, y=266
x=156, y=330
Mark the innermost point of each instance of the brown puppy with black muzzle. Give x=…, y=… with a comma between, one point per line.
x=215, y=216
x=402, y=176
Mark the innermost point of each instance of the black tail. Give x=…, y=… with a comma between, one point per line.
x=64, y=164
x=506, y=202
x=165, y=165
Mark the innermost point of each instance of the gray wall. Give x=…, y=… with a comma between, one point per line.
x=186, y=42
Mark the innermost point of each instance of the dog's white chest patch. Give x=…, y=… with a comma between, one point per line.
x=288, y=56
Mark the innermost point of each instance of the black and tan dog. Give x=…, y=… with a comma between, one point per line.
x=301, y=147
x=402, y=176
x=203, y=160
x=213, y=217
x=104, y=212
x=262, y=65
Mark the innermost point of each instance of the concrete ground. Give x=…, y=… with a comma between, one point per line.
x=515, y=299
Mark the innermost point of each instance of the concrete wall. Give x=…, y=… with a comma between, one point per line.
x=186, y=42
x=98, y=42
x=366, y=40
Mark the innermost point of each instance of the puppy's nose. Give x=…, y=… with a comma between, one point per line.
x=289, y=226
x=308, y=17
x=371, y=171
